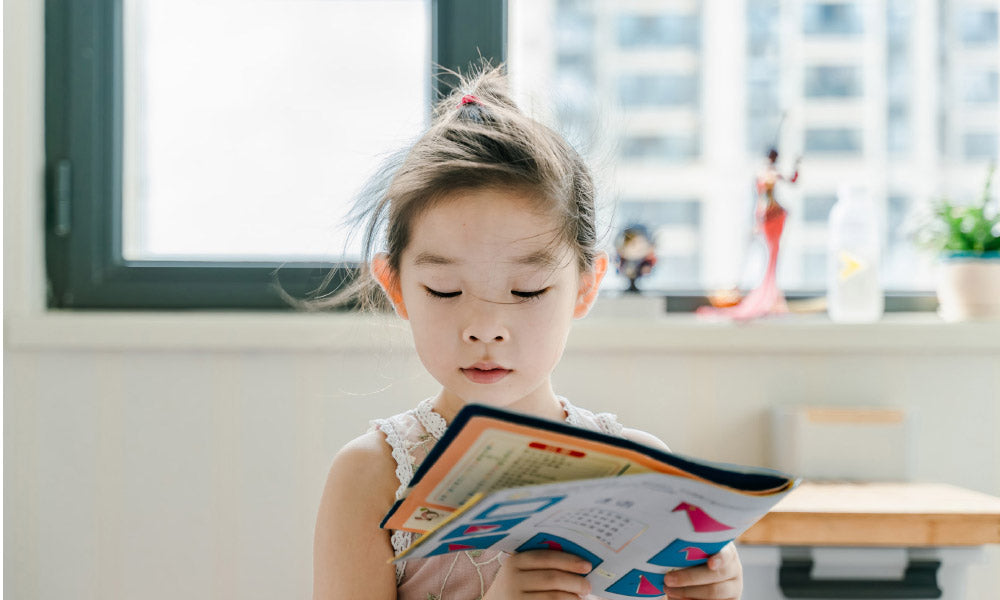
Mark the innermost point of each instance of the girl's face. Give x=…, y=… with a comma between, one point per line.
x=490, y=294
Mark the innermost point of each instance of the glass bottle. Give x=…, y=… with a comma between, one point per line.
x=854, y=291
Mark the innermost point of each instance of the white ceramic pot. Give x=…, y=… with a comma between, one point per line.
x=968, y=287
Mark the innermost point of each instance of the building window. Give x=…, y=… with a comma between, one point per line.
x=981, y=87
x=832, y=19
x=828, y=81
x=977, y=27
x=980, y=145
x=664, y=148
x=816, y=207
x=834, y=140
x=657, y=90
x=658, y=31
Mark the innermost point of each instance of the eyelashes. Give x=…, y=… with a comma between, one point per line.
x=436, y=294
x=529, y=295
x=517, y=294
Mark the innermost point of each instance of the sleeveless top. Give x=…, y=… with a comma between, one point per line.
x=459, y=575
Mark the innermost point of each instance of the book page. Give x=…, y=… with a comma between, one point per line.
x=631, y=529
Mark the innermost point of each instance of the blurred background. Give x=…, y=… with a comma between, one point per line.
x=675, y=103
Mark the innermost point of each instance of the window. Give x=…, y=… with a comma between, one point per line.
x=981, y=87
x=977, y=26
x=206, y=117
x=690, y=116
x=832, y=19
x=658, y=31
x=665, y=89
x=833, y=140
x=668, y=148
x=650, y=109
x=828, y=81
x=816, y=208
x=980, y=145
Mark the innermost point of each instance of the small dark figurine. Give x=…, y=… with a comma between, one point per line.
x=636, y=254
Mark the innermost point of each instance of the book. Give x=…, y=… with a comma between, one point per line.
x=512, y=482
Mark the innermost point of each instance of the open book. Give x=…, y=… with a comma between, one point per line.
x=511, y=482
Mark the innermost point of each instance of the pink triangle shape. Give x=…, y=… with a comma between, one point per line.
x=453, y=547
x=479, y=528
x=647, y=588
x=694, y=553
x=552, y=545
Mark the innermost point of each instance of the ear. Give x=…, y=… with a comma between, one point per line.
x=389, y=280
x=590, y=282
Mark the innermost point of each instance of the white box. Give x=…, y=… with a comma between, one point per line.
x=837, y=443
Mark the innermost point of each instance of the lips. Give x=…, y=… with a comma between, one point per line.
x=484, y=372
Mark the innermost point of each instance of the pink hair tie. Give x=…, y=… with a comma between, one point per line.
x=468, y=99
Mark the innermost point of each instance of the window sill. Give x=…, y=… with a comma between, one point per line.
x=897, y=333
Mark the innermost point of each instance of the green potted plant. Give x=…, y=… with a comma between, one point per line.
x=966, y=237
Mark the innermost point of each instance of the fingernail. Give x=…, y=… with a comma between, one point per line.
x=670, y=580
x=585, y=567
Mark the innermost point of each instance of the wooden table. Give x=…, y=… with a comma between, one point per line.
x=879, y=514
x=869, y=540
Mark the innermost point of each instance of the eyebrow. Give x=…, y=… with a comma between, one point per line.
x=539, y=258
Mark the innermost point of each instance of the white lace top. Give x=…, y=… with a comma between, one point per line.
x=460, y=575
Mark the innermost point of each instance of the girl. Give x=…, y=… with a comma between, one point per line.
x=490, y=253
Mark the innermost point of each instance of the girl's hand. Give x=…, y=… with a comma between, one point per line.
x=721, y=578
x=541, y=575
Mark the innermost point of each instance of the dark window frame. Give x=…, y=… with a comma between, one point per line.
x=83, y=150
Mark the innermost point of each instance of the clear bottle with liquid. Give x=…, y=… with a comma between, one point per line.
x=854, y=291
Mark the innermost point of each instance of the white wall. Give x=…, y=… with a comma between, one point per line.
x=158, y=456
x=137, y=472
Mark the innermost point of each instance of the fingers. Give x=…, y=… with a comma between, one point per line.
x=720, y=578
x=551, y=580
x=548, y=574
x=722, y=590
x=549, y=559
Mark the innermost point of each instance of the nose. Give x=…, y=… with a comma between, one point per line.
x=485, y=326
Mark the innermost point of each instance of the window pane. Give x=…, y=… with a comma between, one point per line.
x=832, y=19
x=657, y=31
x=833, y=140
x=982, y=87
x=669, y=148
x=977, y=26
x=249, y=124
x=664, y=89
x=827, y=81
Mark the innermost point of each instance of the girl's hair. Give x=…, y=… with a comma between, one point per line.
x=477, y=138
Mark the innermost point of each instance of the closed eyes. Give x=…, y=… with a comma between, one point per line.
x=515, y=293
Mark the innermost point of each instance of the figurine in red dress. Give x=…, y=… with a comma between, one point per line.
x=769, y=218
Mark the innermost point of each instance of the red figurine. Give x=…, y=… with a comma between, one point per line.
x=769, y=218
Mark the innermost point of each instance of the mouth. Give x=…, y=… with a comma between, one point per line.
x=485, y=373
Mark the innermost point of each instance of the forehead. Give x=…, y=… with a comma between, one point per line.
x=486, y=225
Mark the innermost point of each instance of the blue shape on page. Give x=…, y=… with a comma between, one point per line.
x=682, y=553
x=475, y=543
x=518, y=508
x=481, y=528
x=546, y=541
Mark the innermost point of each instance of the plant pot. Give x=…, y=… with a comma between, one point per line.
x=968, y=286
